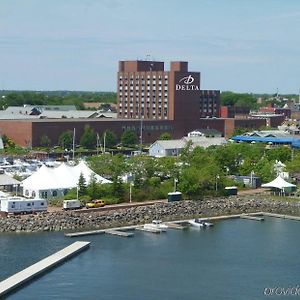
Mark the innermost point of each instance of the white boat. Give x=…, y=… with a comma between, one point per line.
x=156, y=224
x=200, y=223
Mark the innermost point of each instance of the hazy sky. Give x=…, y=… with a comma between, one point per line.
x=238, y=45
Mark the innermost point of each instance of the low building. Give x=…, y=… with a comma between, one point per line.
x=162, y=148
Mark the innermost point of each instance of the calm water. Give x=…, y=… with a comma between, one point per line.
x=237, y=259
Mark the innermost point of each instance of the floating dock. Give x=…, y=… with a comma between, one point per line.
x=15, y=281
x=289, y=217
x=119, y=233
x=152, y=230
x=247, y=217
x=99, y=231
x=176, y=226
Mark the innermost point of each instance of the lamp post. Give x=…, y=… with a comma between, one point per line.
x=175, y=182
x=130, y=192
x=217, y=177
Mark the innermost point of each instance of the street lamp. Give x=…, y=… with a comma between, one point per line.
x=217, y=177
x=175, y=182
x=130, y=191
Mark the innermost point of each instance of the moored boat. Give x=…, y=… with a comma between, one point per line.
x=156, y=224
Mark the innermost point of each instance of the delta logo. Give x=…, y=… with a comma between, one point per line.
x=186, y=84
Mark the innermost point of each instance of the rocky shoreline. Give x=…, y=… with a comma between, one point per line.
x=72, y=221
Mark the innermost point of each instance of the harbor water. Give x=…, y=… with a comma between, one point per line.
x=235, y=259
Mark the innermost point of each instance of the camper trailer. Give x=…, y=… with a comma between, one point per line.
x=23, y=205
x=71, y=204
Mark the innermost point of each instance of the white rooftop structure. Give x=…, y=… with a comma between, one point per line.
x=278, y=183
x=51, y=112
x=50, y=183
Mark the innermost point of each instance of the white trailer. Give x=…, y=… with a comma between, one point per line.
x=23, y=205
x=71, y=204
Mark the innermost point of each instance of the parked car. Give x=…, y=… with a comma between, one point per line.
x=95, y=204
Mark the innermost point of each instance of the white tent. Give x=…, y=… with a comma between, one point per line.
x=279, y=183
x=51, y=183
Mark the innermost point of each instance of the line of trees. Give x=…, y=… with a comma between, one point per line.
x=198, y=172
x=20, y=98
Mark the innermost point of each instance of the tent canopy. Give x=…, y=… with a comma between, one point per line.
x=278, y=183
x=62, y=177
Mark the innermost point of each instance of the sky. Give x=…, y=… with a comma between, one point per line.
x=238, y=45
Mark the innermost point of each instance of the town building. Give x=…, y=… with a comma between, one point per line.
x=151, y=101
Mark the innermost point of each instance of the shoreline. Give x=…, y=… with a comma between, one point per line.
x=172, y=211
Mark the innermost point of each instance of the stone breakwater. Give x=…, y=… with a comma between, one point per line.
x=72, y=221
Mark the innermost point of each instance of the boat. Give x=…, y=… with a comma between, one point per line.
x=156, y=224
x=200, y=223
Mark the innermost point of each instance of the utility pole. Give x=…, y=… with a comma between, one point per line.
x=74, y=144
x=104, y=142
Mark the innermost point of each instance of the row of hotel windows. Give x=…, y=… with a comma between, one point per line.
x=143, y=88
x=142, y=100
x=147, y=127
x=137, y=77
x=208, y=105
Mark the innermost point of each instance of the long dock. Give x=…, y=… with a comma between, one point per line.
x=247, y=217
x=119, y=233
x=15, y=281
x=289, y=217
x=99, y=231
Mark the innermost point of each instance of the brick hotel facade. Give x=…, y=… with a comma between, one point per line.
x=146, y=91
x=150, y=100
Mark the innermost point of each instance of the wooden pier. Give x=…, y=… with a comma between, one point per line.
x=15, y=281
x=119, y=233
x=247, y=217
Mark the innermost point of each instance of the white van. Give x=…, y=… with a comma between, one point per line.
x=71, y=204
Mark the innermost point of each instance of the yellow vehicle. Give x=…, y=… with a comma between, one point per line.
x=95, y=204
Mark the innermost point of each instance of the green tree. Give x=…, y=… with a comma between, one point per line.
x=165, y=136
x=107, y=165
x=65, y=140
x=118, y=190
x=88, y=139
x=129, y=138
x=110, y=139
x=45, y=141
x=281, y=153
x=92, y=188
x=82, y=187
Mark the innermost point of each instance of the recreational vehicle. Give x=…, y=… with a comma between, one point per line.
x=23, y=205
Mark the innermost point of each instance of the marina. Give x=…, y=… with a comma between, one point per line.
x=223, y=253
